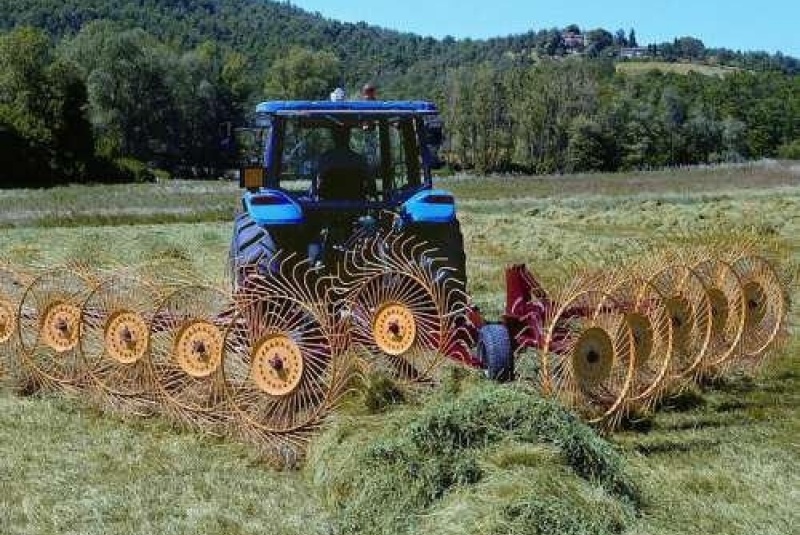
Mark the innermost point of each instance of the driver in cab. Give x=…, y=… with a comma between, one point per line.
x=343, y=173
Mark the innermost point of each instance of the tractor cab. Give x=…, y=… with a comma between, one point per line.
x=317, y=173
x=361, y=151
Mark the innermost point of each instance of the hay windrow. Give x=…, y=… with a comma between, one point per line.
x=513, y=459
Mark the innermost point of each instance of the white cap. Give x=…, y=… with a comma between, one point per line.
x=338, y=95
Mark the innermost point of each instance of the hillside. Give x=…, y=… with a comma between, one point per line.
x=263, y=29
x=101, y=91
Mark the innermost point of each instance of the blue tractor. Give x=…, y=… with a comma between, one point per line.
x=320, y=175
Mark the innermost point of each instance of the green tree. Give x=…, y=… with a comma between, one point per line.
x=42, y=113
x=24, y=57
x=303, y=74
x=127, y=74
x=632, y=38
x=587, y=146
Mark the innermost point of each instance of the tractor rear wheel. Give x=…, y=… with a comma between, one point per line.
x=447, y=243
x=252, y=248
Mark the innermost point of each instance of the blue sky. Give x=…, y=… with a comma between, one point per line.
x=771, y=25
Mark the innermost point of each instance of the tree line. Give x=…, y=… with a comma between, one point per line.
x=572, y=116
x=111, y=104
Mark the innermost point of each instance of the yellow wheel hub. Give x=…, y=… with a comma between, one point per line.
x=60, y=327
x=756, y=302
x=7, y=321
x=394, y=329
x=642, y=336
x=126, y=337
x=277, y=365
x=719, y=310
x=198, y=348
x=680, y=315
x=592, y=357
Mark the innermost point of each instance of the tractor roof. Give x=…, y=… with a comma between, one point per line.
x=327, y=107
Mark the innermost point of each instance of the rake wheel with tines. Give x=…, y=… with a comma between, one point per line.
x=766, y=309
x=116, y=342
x=50, y=329
x=726, y=299
x=588, y=358
x=689, y=310
x=12, y=287
x=646, y=315
x=188, y=345
x=283, y=376
x=403, y=306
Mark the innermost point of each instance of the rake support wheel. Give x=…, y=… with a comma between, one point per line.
x=50, y=329
x=8, y=320
x=646, y=316
x=588, y=356
x=189, y=344
x=726, y=298
x=689, y=311
x=116, y=342
x=12, y=288
x=282, y=377
x=766, y=309
x=404, y=307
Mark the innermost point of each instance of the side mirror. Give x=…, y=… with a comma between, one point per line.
x=434, y=131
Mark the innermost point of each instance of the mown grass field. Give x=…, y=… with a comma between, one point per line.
x=641, y=67
x=719, y=460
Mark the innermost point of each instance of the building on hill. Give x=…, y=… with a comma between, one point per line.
x=634, y=52
x=573, y=40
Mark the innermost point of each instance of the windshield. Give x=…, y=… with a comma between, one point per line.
x=348, y=158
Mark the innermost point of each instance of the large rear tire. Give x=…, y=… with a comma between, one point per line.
x=447, y=243
x=252, y=249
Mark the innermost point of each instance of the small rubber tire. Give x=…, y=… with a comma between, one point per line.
x=494, y=352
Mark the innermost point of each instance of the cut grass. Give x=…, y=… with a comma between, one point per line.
x=524, y=463
x=642, y=67
x=722, y=461
x=65, y=469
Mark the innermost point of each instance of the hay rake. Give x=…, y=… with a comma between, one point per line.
x=269, y=362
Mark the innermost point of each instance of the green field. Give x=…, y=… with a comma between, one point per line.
x=641, y=67
x=719, y=460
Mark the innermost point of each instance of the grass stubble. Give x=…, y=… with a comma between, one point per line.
x=720, y=459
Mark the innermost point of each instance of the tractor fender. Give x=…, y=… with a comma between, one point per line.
x=430, y=206
x=269, y=207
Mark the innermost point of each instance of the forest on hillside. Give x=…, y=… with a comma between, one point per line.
x=91, y=90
